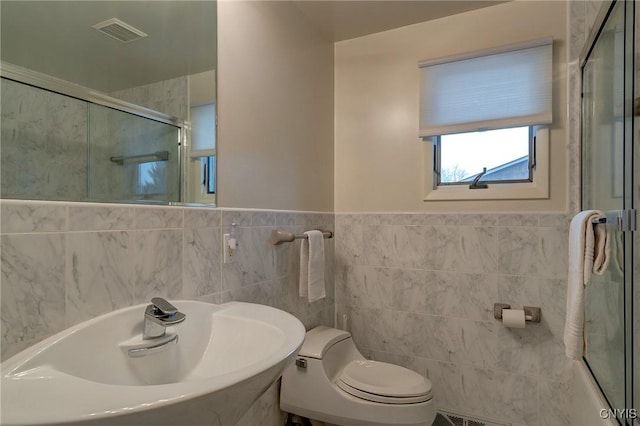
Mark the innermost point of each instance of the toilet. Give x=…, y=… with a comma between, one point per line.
x=330, y=381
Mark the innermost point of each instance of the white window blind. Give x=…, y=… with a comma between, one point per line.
x=493, y=89
x=203, y=127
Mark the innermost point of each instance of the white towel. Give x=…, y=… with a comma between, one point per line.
x=312, y=266
x=601, y=249
x=581, y=265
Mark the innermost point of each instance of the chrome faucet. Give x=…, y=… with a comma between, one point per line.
x=159, y=315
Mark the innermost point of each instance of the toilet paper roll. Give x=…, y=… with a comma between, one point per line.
x=513, y=318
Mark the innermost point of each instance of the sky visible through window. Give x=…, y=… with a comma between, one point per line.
x=465, y=154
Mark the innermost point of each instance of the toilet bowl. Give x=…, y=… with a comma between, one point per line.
x=331, y=381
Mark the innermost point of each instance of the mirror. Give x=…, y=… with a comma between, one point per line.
x=110, y=101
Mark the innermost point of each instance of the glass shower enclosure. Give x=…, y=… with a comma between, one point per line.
x=609, y=182
x=59, y=147
x=131, y=157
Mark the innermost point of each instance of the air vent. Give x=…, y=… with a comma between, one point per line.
x=119, y=30
x=444, y=418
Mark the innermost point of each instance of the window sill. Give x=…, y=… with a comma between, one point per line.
x=498, y=191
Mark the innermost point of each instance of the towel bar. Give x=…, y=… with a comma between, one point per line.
x=142, y=158
x=623, y=220
x=279, y=237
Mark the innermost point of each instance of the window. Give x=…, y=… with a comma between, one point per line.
x=493, y=156
x=484, y=115
x=151, y=178
x=202, y=154
x=208, y=174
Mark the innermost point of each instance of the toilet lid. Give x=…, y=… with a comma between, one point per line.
x=382, y=382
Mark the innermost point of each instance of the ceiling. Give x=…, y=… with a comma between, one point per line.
x=343, y=20
x=57, y=38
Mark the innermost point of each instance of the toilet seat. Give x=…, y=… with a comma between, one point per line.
x=386, y=383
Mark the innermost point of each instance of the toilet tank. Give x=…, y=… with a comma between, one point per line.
x=319, y=340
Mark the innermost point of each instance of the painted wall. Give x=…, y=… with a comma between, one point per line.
x=275, y=80
x=379, y=160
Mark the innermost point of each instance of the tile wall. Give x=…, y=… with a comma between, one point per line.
x=418, y=290
x=168, y=96
x=63, y=263
x=44, y=153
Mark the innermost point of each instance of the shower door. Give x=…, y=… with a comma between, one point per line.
x=607, y=185
x=132, y=158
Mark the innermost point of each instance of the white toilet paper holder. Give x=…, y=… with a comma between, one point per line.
x=531, y=313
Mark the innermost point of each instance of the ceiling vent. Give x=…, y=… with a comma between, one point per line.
x=119, y=30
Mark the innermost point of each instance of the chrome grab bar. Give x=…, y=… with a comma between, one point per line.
x=151, y=157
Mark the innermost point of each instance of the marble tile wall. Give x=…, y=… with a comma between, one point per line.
x=44, y=152
x=418, y=290
x=168, y=96
x=64, y=263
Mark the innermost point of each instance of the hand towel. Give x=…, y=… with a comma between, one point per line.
x=601, y=250
x=618, y=254
x=312, y=266
x=581, y=266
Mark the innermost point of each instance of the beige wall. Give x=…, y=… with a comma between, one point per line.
x=379, y=160
x=275, y=81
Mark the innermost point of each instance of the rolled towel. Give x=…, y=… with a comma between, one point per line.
x=312, y=266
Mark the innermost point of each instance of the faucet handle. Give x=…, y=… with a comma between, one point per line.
x=163, y=306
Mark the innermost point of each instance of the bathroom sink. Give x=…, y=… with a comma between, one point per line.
x=224, y=358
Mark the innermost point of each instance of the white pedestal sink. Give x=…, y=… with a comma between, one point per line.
x=225, y=357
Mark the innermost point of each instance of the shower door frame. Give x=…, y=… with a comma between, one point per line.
x=66, y=88
x=629, y=184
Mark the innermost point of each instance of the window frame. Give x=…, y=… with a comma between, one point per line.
x=198, y=164
x=437, y=169
x=538, y=188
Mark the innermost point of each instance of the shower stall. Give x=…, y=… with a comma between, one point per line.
x=131, y=157
x=610, y=183
x=57, y=146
